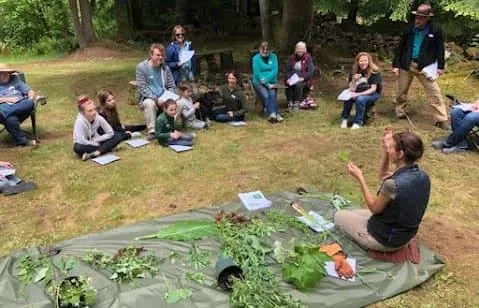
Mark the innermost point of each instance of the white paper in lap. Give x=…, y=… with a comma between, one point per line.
x=136, y=143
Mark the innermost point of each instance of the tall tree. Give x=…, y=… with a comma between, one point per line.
x=353, y=11
x=182, y=11
x=82, y=22
x=123, y=20
x=297, y=23
x=266, y=23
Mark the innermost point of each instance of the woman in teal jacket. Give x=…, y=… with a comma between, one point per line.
x=265, y=78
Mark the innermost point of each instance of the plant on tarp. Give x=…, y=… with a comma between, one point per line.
x=75, y=291
x=126, y=265
x=196, y=277
x=304, y=268
x=245, y=245
x=173, y=296
x=187, y=230
x=198, y=259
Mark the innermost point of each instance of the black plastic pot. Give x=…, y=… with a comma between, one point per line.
x=226, y=272
x=73, y=280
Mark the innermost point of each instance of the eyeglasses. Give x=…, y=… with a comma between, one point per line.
x=180, y=34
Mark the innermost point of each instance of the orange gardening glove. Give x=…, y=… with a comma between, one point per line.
x=342, y=266
x=335, y=252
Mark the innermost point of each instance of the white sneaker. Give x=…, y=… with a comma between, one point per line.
x=356, y=126
x=344, y=124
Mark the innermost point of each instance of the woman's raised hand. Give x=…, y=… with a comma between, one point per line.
x=355, y=171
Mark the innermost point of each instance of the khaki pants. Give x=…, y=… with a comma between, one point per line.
x=433, y=93
x=355, y=224
x=150, y=109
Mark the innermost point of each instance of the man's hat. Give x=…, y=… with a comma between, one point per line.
x=5, y=68
x=423, y=10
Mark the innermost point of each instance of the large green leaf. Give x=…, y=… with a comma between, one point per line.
x=305, y=267
x=185, y=231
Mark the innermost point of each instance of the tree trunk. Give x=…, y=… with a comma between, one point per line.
x=297, y=23
x=353, y=12
x=77, y=27
x=182, y=11
x=87, y=21
x=123, y=20
x=265, y=12
x=136, y=11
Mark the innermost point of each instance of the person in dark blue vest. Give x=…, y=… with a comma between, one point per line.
x=393, y=216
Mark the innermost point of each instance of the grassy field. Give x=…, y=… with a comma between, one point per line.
x=308, y=149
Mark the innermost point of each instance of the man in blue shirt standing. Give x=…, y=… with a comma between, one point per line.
x=16, y=104
x=421, y=45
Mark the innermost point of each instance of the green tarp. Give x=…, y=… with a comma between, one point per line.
x=390, y=280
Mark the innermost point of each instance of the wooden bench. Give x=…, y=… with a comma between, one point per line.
x=225, y=56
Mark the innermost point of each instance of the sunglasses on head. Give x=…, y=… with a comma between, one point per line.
x=180, y=34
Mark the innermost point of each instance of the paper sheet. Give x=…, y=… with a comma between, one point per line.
x=237, y=123
x=254, y=200
x=463, y=107
x=167, y=95
x=186, y=55
x=345, y=95
x=278, y=86
x=294, y=79
x=430, y=71
x=330, y=269
x=136, y=143
x=319, y=225
x=180, y=148
x=105, y=159
x=7, y=171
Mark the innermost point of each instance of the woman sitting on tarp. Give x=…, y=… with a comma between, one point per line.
x=392, y=218
x=231, y=105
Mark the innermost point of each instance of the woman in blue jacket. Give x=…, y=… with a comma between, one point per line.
x=181, y=71
x=265, y=78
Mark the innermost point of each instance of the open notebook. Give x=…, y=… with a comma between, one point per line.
x=106, y=159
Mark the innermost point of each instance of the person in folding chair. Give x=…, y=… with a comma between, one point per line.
x=16, y=105
x=464, y=117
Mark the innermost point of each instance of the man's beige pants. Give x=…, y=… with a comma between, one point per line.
x=355, y=224
x=433, y=93
x=150, y=109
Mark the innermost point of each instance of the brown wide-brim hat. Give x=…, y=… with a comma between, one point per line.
x=423, y=10
x=6, y=69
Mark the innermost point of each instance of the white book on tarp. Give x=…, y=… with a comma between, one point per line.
x=430, y=71
x=254, y=200
x=463, y=107
x=316, y=222
x=7, y=171
x=331, y=270
x=168, y=95
x=345, y=95
x=237, y=123
x=106, y=159
x=136, y=143
x=186, y=55
x=180, y=148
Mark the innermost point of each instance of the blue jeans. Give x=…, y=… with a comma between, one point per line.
x=13, y=115
x=186, y=139
x=362, y=102
x=224, y=117
x=462, y=122
x=268, y=97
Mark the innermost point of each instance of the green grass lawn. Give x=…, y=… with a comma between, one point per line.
x=308, y=149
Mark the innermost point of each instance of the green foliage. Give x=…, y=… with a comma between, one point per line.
x=76, y=292
x=469, y=8
x=185, y=231
x=126, y=265
x=196, y=277
x=304, y=268
x=104, y=20
x=198, y=259
x=174, y=296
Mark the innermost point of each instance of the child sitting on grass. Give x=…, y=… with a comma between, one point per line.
x=165, y=131
x=187, y=108
x=88, y=142
x=109, y=112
